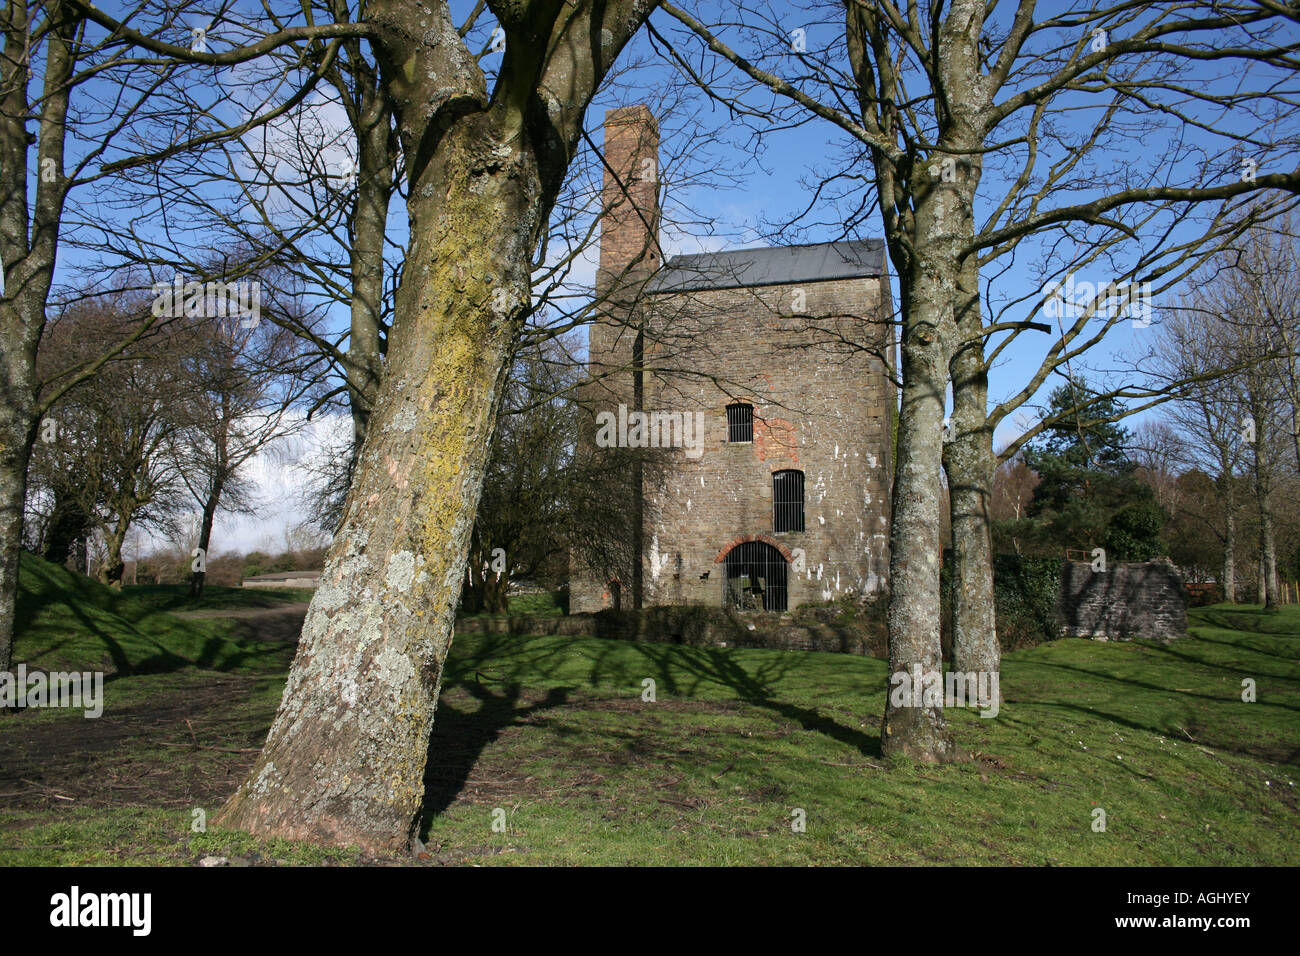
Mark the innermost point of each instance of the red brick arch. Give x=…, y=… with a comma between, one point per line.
x=741, y=539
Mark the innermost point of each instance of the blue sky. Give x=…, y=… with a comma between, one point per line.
x=739, y=184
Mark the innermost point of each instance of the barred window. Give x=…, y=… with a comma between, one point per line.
x=740, y=422
x=787, y=501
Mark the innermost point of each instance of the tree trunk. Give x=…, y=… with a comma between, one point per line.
x=497, y=588
x=29, y=244
x=913, y=726
x=199, y=578
x=110, y=572
x=975, y=640
x=1266, y=588
x=1230, y=544
x=344, y=760
x=1267, y=556
x=16, y=437
x=915, y=548
x=969, y=462
x=932, y=300
x=376, y=150
x=473, y=598
x=937, y=286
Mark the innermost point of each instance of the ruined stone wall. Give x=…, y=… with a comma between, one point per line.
x=1139, y=600
x=700, y=627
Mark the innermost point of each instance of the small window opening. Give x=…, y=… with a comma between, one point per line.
x=787, y=501
x=740, y=422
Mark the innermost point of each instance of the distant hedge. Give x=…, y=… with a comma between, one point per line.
x=1024, y=595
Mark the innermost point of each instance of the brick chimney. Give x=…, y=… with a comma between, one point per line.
x=629, y=255
x=629, y=229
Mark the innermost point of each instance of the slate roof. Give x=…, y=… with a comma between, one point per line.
x=774, y=265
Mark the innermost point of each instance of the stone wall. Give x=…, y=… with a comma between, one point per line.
x=817, y=409
x=814, y=629
x=1143, y=600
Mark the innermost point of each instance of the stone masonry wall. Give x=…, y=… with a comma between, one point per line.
x=1143, y=600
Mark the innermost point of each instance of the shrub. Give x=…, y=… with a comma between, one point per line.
x=1025, y=591
x=1024, y=597
x=1134, y=533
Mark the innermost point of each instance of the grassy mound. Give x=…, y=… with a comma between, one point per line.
x=67, y=621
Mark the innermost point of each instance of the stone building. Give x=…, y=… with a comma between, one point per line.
x=754, y=384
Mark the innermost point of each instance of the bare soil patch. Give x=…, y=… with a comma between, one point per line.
x=184, y=748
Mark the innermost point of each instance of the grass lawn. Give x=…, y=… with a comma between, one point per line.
x=551, y=736
x=531, y=602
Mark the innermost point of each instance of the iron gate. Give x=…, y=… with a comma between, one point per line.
x=755, y=578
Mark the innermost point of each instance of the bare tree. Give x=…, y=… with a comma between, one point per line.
x=82, y=61
x=1189, y=347
x=545, y=503
x=107, y=448
x=957, y=113
x=245, y=381
x=343, y=761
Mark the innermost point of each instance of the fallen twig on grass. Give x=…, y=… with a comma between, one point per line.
x=49, y=790
x=224, y=750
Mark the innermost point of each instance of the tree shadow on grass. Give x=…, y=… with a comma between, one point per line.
x=681, y=671
x=217, y=653
x=459, y=738
x=719, y=666
x=1253, y=620
x=1211, y=698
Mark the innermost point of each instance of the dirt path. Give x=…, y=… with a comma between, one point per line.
x=184, y=747
x=279, y=625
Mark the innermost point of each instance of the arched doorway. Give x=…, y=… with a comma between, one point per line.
x=755, y=578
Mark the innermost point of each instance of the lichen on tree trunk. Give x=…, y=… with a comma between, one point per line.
x=916, y=727
x=969, y=463
x=920, y=732
x=15, y=450
x=975, y=645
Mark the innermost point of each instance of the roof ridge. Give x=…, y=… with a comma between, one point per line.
x=736, y=268
x=792, y=245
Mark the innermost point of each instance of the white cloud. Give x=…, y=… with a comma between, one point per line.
x=280, y=478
